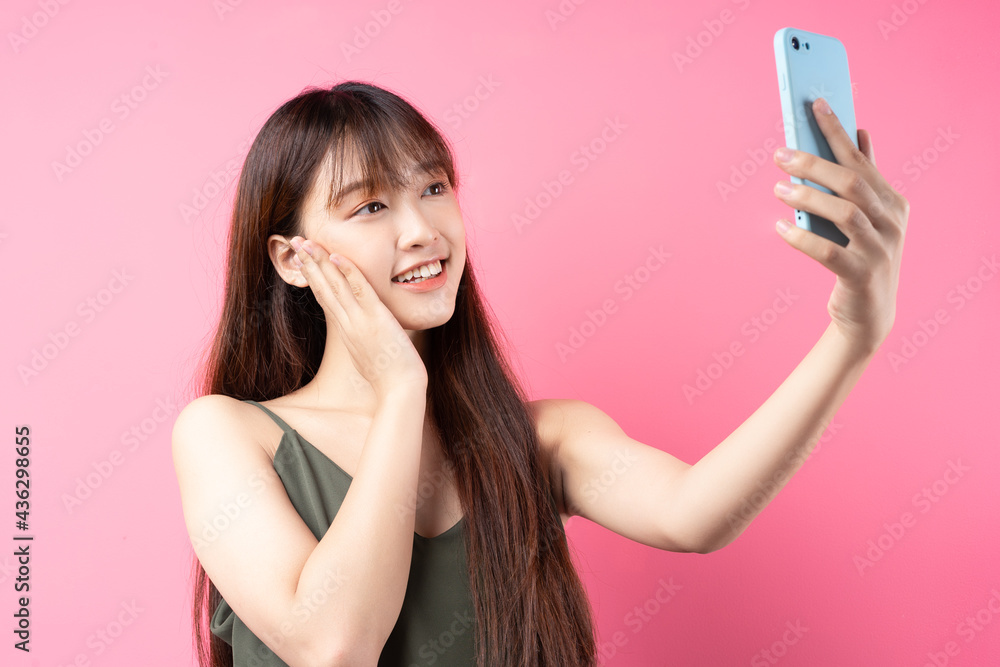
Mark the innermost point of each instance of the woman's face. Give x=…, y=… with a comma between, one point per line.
x=386, y=234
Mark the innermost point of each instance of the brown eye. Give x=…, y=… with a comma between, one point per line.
x=441, y=185
x=367, y=207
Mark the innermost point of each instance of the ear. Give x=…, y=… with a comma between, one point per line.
x=281, y=253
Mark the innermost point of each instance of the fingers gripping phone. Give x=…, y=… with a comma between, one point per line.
x=811, y=65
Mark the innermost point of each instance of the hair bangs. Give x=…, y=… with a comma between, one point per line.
x=383, y=154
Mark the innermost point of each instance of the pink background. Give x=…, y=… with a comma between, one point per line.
x=124, y=364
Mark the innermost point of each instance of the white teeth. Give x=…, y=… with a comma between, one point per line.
x=425, y=271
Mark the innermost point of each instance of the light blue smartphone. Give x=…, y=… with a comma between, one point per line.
x=811, y=65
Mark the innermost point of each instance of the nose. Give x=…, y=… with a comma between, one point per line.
x=416, y=228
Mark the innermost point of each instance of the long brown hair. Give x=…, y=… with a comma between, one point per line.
x=530, y=606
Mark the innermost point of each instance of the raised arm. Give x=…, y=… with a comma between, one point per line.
x=654, y=498
x=650, y=496
x=722, y=493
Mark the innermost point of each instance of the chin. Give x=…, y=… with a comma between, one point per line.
x=438, y=314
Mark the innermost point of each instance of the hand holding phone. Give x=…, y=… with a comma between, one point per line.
x=811, y=65
x=840, y=191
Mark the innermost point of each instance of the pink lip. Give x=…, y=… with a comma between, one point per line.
x=429, y=284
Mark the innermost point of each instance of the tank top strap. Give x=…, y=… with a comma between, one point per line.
x=281, y=422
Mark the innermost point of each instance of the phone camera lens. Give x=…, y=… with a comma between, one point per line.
x=795, y=43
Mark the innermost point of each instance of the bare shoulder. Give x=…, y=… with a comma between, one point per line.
x=554, y=416
x=547, y=415
x=610, y=478
x=208, y=408
x=212, y=412
x=567, y=431
x=213, y=430
x=551, y=416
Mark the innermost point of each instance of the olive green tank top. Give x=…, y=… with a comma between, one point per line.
x=436, y=625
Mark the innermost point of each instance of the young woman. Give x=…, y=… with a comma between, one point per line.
x=364, y=481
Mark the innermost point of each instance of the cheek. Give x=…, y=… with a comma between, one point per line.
x=359, y=252
x=378, y=278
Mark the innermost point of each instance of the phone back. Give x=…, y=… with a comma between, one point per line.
x=817, y=68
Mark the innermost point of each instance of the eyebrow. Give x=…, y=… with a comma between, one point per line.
x=429, y=167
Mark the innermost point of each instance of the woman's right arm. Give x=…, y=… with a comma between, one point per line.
x=327, y=602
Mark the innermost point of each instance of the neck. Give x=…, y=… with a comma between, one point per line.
x=338, y=385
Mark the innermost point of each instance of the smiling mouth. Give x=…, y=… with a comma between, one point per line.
x=418, y=277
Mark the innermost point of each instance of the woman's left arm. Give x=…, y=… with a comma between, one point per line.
x=661, y=501
x=767, y=448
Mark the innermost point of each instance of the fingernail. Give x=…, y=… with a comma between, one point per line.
x=783, y=187
x=335, y=259
x=295, y=244
x=307, y=246
x=823, y=106
x=784, y=154
x=782, y=226
x=296, y=261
